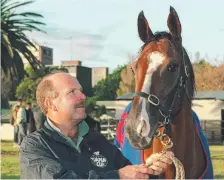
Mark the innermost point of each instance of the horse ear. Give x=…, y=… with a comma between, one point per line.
x=144, y=30
x=173, y=23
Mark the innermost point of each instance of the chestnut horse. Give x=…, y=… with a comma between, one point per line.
x=165, y=86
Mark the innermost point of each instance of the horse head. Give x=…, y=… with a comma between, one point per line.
x=164, y=82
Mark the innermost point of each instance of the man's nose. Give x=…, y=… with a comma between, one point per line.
x=82, y=96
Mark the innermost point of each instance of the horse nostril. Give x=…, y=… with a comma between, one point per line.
x=140, y=127
x=143, y=128
x=135, y=137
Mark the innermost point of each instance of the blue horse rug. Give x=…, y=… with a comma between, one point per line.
x=135, y=155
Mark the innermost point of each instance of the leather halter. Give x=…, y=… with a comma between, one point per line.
x=154, y=104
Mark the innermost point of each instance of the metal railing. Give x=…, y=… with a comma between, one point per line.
x=212, y=129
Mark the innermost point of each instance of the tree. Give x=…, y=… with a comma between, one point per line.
x=106, y=89
x=27, y=88
x=127, y=83
x=52, y=69
x=94, y=110
x=15, y=42
x=197, y=56
x=208, y=77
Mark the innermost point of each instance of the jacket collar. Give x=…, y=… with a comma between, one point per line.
x=53, y=134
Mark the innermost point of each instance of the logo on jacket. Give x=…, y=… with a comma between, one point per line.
x=98, y=160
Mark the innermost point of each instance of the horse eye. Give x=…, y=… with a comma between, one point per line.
x=172, y=67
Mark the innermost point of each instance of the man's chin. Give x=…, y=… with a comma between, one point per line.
x=80, y=118
x=85, y=116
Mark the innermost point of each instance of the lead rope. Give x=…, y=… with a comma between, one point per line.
x=180, y=173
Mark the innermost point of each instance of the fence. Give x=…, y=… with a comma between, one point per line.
x=213, y=130
x=108, y=128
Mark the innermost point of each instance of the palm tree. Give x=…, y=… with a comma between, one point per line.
x=14, y=41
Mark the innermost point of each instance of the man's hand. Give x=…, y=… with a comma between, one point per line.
x=134, y=172
x=158, y=167
x=142, y=172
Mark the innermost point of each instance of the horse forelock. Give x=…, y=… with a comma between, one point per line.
x=156, y=49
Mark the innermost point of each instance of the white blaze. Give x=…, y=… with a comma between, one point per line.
x=155, y=59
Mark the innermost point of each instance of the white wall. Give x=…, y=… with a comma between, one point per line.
x=119, y=106
x=205, y=109
x=208, y=109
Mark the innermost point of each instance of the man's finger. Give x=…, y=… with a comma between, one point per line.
x=161, y=164
x=157, y=169
x=142, y=176
x=156, y=173
x=146, y=170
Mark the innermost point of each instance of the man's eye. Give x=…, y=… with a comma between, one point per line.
x=172, y=67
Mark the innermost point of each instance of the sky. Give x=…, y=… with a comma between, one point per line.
x=103, y=33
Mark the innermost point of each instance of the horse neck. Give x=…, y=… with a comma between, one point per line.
x=187, y=146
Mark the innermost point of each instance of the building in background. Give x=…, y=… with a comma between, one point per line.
x=98, y=73
x=71, y=66
x=83, y=74
x=71, y=63
x=45, y=55
x=42, y=53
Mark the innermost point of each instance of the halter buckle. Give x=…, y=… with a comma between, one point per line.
x=155, y=104
x=164, y=139
x=167, y=143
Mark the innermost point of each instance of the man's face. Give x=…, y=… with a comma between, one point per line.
x=28, y=106
x=70, y=103
x=19, y=102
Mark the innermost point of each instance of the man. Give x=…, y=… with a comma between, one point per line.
x=15, y=126
x=39, y=117
x=92, y=123
x=21, y=121
x=65, y=148
x=30, y=119
x=19, y=103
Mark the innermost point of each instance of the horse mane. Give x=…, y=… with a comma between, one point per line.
x=191, y=76
x=166, y=35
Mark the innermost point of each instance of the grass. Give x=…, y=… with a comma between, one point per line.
x=5, y=111
x=217, y=153
x=10, y=161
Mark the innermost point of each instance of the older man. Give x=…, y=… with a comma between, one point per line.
x=21, y=122
x=65, y=147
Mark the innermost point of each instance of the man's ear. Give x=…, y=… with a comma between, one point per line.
x=49, y=104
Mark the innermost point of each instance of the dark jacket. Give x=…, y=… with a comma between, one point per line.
x=93, y=124
x=39, y=117
x=44, y=154
x=30, y=119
